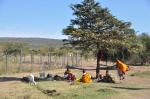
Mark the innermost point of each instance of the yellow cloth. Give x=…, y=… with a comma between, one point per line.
x=122, y=66
x=78, y=80
x=86, y=78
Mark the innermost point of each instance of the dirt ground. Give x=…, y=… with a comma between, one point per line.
x=136, y=83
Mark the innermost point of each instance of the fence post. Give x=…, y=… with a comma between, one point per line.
x=40, y=59
x=31, y=59
x=77, y=58
x=20, y=69
x=48, y=60
x=6, y=63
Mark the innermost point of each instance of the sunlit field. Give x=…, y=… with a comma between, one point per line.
x=135, y=86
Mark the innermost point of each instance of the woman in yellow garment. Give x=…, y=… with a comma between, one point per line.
x=122, y=68
x=86, y=78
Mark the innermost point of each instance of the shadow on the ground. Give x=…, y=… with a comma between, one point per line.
x=81, y=68
x=101, y=68
x=131, y=88
x=3, y=79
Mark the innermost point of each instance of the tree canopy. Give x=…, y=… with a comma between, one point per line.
x=95, y=28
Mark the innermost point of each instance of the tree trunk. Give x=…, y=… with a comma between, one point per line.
x=99, y=56
x=97, y=68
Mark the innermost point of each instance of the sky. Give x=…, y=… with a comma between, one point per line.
x=47, y=18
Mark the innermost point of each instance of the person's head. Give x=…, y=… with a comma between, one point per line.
x=101, y=76
x=69, y=71
x=83, y=71
x=107, y=71
x=67, y=68
x=116, y=59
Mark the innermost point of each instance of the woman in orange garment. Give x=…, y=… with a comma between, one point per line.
x=86, y=78
x=122, y=68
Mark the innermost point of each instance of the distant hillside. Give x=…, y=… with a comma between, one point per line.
x=34, y=41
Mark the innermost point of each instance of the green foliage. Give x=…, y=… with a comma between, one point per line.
x=96, y=28
x=132, y=45
x=87, y=55
x=13, y=48
x=44, y=49
x=145, y=39
x=134, y=59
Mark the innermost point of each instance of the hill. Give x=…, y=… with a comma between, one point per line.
x=34, y=41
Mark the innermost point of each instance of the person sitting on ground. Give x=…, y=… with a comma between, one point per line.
x=86, y=78
x=70, y=77
x=102, y=78
x=66, y=72
x=49, y=77
x=110, y=78
x=58, y=78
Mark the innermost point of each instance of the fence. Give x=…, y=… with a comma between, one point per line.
x=12, y=64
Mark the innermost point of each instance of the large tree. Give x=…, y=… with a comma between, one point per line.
x=94, y=28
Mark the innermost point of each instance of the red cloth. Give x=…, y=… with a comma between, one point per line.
x=71, y=77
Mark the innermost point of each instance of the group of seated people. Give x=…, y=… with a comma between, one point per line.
x=86, y=77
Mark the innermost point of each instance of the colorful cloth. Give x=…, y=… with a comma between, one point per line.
x=86, y=78
x=71, y=77
x=123, y=67
x=110, y=78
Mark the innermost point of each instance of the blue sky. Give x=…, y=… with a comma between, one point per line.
x=47, y=18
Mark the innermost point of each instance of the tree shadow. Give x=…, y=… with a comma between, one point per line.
x=101, y=68
x=81, y=68
x=131, y=88
x=4, y=79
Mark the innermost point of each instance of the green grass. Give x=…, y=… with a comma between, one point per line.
x=63, y=90
x=77, y=90
x=145, y=74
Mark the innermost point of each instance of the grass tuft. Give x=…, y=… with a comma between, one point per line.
x=107, y=91
x=27, y=96
x=145, y=74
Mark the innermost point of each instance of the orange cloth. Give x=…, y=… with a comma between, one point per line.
x=123, y=67
x=86, y=78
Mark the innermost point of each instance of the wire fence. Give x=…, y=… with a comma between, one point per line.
x=13, y=64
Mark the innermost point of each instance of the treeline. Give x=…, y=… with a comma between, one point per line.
x=34, y=41
x=137, y=54
x=16, y=52
x=131, y=55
